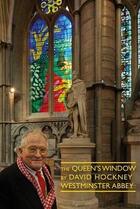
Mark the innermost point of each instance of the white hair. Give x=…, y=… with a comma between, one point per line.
x=26, y=136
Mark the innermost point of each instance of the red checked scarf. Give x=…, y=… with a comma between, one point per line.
x=47, y=201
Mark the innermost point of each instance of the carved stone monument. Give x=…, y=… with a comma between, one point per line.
x=133, y=142
x=133, y=150
x=77, y=148
x=76, y=105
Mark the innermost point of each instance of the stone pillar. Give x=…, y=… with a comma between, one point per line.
x=98, y=78
x=5, y=83
x=76, y=150
x=118, y=79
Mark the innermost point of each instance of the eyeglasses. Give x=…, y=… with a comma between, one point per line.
x=33, y=150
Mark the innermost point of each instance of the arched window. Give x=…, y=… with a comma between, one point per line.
x=50, y=57
x=126, y=54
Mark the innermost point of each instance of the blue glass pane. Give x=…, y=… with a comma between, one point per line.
x=126, y=33
x=62, y=61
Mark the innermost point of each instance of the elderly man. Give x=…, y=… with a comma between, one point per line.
x=28, y=184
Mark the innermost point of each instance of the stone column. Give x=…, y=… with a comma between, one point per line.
x=98, y=90
x=135, y=46
x=76, y=150
x=118, y=79
x=5, y=83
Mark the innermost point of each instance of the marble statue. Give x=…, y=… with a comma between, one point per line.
x=76, y=105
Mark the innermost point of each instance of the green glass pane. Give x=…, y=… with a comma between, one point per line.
x=38, y=62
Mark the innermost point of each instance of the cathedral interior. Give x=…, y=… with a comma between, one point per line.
x=41, y=44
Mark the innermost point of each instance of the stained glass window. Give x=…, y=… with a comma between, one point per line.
x=62, y=61
x=139, y=39
x=126, y=32
x=50, y=62
x=38, y=62
x=50, y=6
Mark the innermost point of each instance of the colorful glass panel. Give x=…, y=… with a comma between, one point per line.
x=38, y=62
x=62, y=61
x=139, y=39
x=50, y=6
x=126, y=33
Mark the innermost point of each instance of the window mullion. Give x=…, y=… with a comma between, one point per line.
x=51, y=102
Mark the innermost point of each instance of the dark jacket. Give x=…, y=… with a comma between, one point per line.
x=17, y=192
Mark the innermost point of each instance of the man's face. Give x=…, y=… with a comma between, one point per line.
x=34, y=152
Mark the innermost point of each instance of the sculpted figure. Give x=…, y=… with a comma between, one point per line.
x=76, y=105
